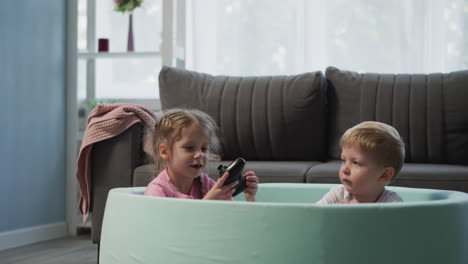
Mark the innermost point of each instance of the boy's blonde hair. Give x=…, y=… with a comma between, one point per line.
x=169, y=126
x=378, y=139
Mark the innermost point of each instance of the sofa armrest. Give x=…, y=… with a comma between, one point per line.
x=112, y=164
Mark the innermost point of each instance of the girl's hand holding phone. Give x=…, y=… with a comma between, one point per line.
x=220, y=192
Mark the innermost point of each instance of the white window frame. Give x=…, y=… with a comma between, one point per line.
x=91, y=55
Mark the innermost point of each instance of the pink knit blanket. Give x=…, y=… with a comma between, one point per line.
x=106, y=121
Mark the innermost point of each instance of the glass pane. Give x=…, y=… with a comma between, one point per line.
x=81, y=81
x=82, y=25
x=127, y=78
x=113, y=25
x=243, y=37
x=282, y=37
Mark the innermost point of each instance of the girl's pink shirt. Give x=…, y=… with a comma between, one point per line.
x=162, y=186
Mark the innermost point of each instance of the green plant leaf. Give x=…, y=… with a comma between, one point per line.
x=127, y=6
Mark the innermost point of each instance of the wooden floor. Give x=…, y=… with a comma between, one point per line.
x=69, y=250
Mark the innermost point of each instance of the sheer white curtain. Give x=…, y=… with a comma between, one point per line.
x=251, y=37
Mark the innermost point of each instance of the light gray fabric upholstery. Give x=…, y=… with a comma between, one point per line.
x=324, y=173
x=429, y=111
x=418, y=175
x=266, y=171
x=261, y=118
x=143, y=175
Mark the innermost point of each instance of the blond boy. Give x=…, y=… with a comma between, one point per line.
x=372, y=156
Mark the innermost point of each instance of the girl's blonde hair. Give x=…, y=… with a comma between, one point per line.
x=168, y=128
x=378, y=139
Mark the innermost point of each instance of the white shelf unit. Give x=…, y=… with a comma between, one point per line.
x=74, y=133
x=110, y=55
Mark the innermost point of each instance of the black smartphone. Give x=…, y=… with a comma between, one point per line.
x=235, y=174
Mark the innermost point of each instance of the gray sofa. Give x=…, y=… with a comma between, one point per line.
x=288, y=127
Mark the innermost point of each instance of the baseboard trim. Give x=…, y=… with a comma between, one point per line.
x=29, y=235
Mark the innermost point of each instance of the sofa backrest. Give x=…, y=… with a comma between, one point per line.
x=429, y=111
x=261, y=118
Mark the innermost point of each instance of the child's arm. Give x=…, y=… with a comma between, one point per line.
x=252, y=186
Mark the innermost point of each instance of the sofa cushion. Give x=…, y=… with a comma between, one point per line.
x=261, y=118
x=417, y=175
x=429, y=111
x=266, y=171
x=324, y=173
x=143, y=175
x=271, y=171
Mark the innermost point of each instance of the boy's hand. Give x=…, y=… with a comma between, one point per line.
x=252, y=186
x=220, y=192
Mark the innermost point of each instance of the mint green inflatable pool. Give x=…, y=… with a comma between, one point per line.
x=285, y=226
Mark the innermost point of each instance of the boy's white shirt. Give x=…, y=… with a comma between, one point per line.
x=338, y=194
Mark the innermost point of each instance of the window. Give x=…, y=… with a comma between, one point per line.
x=118, y=75
x=263, y=37
x=246, y=37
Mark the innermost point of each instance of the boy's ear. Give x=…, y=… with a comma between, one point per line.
x=164, y=151
x=387, y=175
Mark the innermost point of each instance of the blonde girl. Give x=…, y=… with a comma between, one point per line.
x=182, y=141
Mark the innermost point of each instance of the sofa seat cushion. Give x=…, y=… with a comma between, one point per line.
x=266, y=171
x=260, y=117
x=271, y=171
x=324, y=173
x=419, y=175
x=143, y=175
x=428, y=110
x=433, y=176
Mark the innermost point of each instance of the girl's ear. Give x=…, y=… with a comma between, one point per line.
x=164, y=151
x=387, y=175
